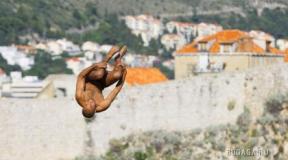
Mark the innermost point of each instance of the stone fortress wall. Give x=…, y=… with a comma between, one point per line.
x=55, y=129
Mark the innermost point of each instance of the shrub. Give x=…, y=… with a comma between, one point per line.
x=231, y=105
x=244, y=119
x=274, y=104
x=140, y=156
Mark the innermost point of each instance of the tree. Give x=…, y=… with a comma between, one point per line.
x=168, y=72
x=45, y=65
x=6, y=67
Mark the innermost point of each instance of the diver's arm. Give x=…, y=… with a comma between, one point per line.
x=112, y=95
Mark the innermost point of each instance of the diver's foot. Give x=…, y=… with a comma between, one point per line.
x=121, y=53
x=111, y=53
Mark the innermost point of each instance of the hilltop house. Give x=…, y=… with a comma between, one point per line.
x=140, y=60
x=145, y=26
x=57, y=47
x=90, y=46
x=227, y=50
x=282, y=44
x=190, y=30
x=76, y=64
x=15, y=56
x=27, y=49
x=172, y=41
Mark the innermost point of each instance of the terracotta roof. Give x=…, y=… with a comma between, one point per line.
x=286, y=58
x=227, y=36
x=275, y=50
x=189, y=48
x=27, y=48
x=257, y=49
x=141, y=76
x=286, y=55
x=2, y=72
x=74, y=59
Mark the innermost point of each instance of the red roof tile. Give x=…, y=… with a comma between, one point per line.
x=227, y=36
x=141, y=76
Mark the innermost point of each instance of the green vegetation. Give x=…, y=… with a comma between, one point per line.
x=45, y=65
x=114, y=31
x=231, y=105
x=6, y=67
x=168, y=72
x=271, y=21
x=60, y=18
x=47, y=18
x=57, y=19
x=275, y=104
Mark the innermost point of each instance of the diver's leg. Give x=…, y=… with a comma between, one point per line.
x=96, y=74
x=116, y=74
x=99, y=73
x=111, y=53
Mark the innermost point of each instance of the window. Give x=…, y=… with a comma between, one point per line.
x=202, y=46
x=226, y=48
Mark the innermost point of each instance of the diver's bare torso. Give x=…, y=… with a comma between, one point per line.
x=94, y=79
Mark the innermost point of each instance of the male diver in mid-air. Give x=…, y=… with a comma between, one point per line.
x=94, y=79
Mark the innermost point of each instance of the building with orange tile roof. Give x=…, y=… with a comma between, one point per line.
x=142, y=76
x=226, y=50
x=286, y=55
x=286, y=58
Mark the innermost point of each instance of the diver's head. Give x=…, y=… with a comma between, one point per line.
x=89, y=109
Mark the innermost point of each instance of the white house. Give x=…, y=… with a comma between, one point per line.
x=262, y=39
x=68, y=46
x=182, y=28
x=93, y=56
x=13, y=56
x=57, y=47
x=105, y=48
x=189, y=30
x=76, y=64
x=205, y=29
x=173, y=41
x=54, y=48
x=138, y=60
x=41, y=46
x=282, y=44
x=145, y=26
x=90, y=46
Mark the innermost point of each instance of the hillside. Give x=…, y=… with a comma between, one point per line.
x=51, y=19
